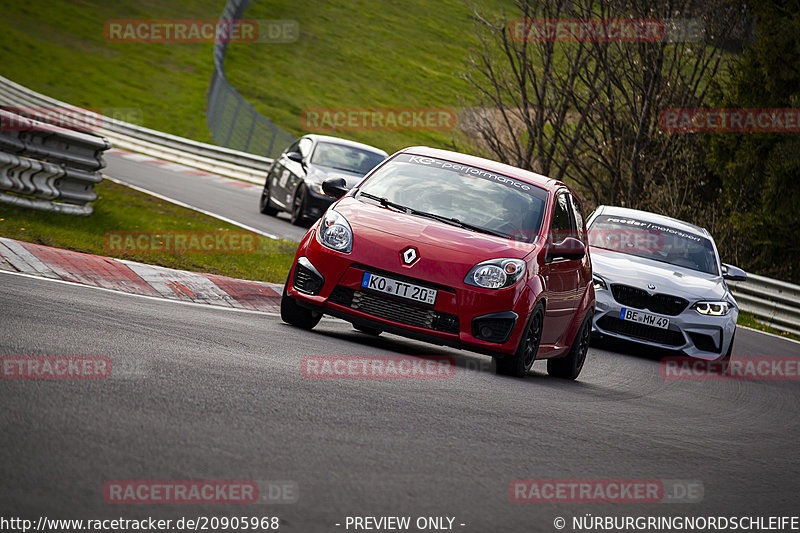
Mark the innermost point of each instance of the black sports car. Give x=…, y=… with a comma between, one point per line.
x=294, y=182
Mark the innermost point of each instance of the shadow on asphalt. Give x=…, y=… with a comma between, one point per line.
x=466, y=360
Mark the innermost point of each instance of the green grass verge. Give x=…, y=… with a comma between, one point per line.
x=364, y=54
x=120, y=208
x=747, y=319
x=59, y=48
x=369, y=53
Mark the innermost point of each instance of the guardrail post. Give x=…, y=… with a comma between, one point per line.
x=233, y=120
x=252, y=127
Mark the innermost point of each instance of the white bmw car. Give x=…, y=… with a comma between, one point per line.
x=659, y=281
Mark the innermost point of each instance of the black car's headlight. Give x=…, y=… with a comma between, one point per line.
x=314, y=180
x=599, y=283
x=496, y=273
x=316, y=186
x=335, y=232
x=712, y=308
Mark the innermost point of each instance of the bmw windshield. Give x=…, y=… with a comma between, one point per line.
x=653, y=241
x=459, y=194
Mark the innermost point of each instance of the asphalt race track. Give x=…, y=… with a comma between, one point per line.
x=200, y=393
x=219, y=196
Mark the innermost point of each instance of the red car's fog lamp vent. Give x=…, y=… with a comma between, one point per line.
x=306, y=280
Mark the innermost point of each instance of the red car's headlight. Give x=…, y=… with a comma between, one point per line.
x=496, y=273
x=335, y=232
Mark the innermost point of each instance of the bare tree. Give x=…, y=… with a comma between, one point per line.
x=525, y=110
x=587, y=109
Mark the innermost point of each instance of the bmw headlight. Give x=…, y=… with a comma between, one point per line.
x=598, y=282
x=335, y=232
x=496, y=273
x=712, y=308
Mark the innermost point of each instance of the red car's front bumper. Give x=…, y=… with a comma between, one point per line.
x=461, y=313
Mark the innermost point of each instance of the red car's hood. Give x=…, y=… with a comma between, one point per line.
x=411, y=228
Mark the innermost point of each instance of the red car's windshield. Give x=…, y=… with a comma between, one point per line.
x=500, y=204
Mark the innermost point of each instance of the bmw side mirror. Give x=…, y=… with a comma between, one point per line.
x=297, y=157
x=732, y=273
x=335, y=187
x=570, y=248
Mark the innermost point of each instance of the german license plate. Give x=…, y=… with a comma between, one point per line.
x=644, y=318
x=409, y=291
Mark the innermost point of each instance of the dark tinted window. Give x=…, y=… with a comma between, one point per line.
x=577, y=213
x=562, y=225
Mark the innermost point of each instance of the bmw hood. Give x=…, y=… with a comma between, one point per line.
x=616, y=267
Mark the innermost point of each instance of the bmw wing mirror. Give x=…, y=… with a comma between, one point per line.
x=732, y=273
x=570, y=248
x=335, y=187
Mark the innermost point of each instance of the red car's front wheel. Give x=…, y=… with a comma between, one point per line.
x=519, y=363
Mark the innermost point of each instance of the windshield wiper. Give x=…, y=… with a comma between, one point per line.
x=385, y=202
x=460, y=224
x=447, y=220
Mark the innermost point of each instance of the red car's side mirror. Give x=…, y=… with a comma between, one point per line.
x=570, y=248
x=335, y=187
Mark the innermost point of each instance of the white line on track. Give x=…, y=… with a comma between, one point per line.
x=768, y=333
x=187, y=206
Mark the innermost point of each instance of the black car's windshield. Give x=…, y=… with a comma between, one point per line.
x=653, y=241
x=471, y=197
x=343, y=157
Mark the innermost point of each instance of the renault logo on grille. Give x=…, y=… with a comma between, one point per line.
x=410, y=256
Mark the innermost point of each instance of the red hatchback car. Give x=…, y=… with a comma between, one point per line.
x=455, y=250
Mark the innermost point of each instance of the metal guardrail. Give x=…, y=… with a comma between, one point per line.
x=232, y=120
x=771, y=301
x=216, y=159
x=48, y=168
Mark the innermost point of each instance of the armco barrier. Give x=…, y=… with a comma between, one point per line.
x=771, y=301
x=48, y=168
x=216, y=159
